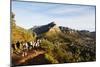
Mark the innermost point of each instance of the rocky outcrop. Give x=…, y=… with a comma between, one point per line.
x=42, y=29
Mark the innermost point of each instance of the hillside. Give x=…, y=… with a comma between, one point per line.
x=19, y=33
x=69, y=45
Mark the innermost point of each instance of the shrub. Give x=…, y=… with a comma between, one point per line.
x=50, y=58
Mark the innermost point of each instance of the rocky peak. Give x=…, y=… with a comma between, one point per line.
x=44, y=28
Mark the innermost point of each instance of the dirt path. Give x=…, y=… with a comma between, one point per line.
x=18, y=59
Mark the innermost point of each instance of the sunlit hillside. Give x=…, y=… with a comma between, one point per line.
x=20, y=34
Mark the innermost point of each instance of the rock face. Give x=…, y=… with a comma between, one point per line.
x=42, y=29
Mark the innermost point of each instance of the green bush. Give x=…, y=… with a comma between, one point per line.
x=50, y=58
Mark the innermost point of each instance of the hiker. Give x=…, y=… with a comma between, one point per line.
x=18, y=44
x=13, y=46
x=38, y=43
x=33, y=44
x=29, y=45
x=25, y=49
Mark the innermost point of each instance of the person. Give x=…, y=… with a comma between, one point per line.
x=29, y=45
x=13, y=48
x=25, y=49
x=38, y=43
x=33, y=44
x=18, y=44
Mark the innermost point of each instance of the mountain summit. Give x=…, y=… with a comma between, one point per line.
x=42, y=29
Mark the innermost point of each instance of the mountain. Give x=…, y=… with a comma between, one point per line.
x=87, y=33
x=68, y=44
x=53, y=28
x=42, y=29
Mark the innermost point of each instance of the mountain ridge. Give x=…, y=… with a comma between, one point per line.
x=40, y=29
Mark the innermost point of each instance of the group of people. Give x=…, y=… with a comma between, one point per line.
x=23, y=47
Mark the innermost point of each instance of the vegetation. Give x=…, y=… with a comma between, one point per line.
x=68, y=47
x=19, y=33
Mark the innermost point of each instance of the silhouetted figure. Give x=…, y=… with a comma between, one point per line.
x=18, y=44
x=13, y=46
x=29, y=45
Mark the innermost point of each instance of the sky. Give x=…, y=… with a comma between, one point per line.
x=29, y=14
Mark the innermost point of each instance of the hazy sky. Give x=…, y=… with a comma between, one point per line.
x=29, y=14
